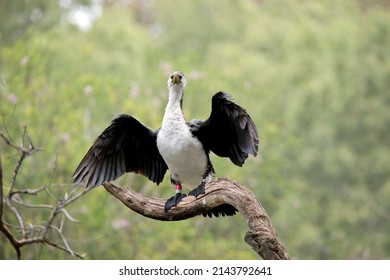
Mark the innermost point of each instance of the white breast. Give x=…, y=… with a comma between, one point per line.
x=183, y=153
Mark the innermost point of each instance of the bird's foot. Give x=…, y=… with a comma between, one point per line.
x=199, y=190
x=173, y=201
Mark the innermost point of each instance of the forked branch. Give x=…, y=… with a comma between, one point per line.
x=261, y=236
x=11, y=200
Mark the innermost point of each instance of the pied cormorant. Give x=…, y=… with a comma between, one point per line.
x=183, y=147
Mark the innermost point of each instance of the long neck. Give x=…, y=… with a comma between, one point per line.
x=175, y=99
x=174, y=106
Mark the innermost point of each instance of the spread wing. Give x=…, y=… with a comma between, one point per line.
x=229, y=131
x=125, y=146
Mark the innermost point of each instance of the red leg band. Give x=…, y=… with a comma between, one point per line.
x=178, y=188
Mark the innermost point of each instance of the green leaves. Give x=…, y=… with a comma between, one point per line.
x=314, y=76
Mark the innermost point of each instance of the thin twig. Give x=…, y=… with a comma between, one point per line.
x=55, y=245
x=36, y=206
x=69, y=217
x=17, y=215
x=8, y=141
x=28, y=191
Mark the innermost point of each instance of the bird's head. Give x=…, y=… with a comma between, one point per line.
x=177, y=80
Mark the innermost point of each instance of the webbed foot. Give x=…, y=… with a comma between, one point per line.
x=173, y=201
x=199, y=190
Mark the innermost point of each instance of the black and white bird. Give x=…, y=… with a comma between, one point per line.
x=183, y=147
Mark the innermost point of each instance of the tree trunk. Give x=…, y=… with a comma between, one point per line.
x=261, y=236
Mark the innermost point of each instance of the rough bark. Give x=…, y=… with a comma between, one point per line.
x=261, y=236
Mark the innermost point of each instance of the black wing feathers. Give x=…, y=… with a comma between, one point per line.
x=229, y=131
x=125, y=146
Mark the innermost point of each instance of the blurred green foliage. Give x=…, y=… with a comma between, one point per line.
x=314, y=75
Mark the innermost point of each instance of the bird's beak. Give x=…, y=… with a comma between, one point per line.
x=176, y=79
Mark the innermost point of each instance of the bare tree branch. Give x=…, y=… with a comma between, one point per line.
x=261, y=236
x=13, y=202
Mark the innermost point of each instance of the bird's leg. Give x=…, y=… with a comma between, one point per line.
x=174, y=200
x=199, y=190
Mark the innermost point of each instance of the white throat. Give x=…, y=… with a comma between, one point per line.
x=173, y=117
x=175, y=96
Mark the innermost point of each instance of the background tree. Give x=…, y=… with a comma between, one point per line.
x=313, y=74
x=16, y=203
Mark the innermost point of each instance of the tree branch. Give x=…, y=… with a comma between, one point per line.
x=12, y=201
x=261, y=236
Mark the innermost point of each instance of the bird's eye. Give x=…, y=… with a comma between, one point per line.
x=171, y=77
x=180, y=77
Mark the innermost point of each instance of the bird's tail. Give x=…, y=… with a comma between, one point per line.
x=221, y=210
